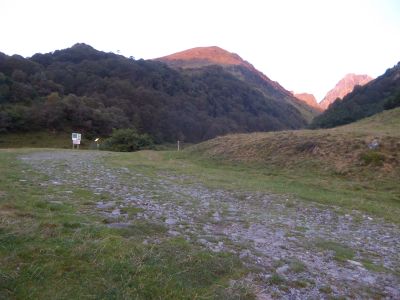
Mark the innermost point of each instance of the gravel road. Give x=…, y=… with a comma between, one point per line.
x=294, y=249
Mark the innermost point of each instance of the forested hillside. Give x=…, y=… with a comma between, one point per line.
x=377, y=95
x=83, y=89
x=198, y=58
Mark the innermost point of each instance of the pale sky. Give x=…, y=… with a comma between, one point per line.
x=307, y=46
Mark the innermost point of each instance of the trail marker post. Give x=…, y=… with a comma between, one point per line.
x=76, y=140
x=97, y=140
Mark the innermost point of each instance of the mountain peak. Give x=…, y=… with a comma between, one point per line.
x=203, y=56
x=343, y=87
x=308, y=98
x=82, y=46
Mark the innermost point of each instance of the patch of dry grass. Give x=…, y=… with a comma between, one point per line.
x=341, y=150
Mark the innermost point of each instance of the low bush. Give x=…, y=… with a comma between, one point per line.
x=127, y=140
x=372, y=158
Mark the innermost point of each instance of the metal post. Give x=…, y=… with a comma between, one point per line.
x=179, y=148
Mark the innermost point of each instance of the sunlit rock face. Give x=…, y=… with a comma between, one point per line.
x=343, y=87
x=309, y=99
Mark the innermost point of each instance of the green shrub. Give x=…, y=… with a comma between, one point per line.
x=127, y=140
x=372, y=157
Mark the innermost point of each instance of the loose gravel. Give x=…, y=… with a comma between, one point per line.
x=294, y=249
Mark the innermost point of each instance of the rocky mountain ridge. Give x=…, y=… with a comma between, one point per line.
x=309, y=99
x=344, y=87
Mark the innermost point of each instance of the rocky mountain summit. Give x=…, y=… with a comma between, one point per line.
x=344, y=87
x=309, y=99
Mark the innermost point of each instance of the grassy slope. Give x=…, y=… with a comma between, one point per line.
x=386, y=123
x=53, y=245
x=331, y=166
x=35, y=140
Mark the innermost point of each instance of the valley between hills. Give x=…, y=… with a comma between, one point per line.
x=268, y=198
x=226, y=218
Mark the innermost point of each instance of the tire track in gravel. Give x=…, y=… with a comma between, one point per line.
x=293, y=247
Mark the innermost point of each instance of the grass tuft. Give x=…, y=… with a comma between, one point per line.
x=341, y=252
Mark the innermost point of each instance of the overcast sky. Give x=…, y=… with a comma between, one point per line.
x=307, y=46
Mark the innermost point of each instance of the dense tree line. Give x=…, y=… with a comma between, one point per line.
x=379, y=94
x=95, y=92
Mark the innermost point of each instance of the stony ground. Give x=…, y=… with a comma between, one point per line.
x=294, y=249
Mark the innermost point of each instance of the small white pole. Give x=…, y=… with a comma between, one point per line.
x=179, y=148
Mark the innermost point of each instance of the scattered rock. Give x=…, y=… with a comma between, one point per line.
x=394, y=293
x=103, y=205
x=174, y=233
x=368, y=279
x=282, y=270
x=374, y=144
x=119, y=225
x=217, y=216
x=356, y=263
x=260, y=241
x=171, y=221
x=116, y=212
x=56, y=202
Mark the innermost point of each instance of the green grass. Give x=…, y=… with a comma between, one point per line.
x=325, y=289
x=42, y=139
x=131, y=211
x=369, y=265
x=385, y=123
x=56, y=249
x=372, y=157
x=342, y=252
x=275, y=279
x=297, y=266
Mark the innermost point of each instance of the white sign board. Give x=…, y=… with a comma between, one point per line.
x=76, y=136
x=76, y=140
